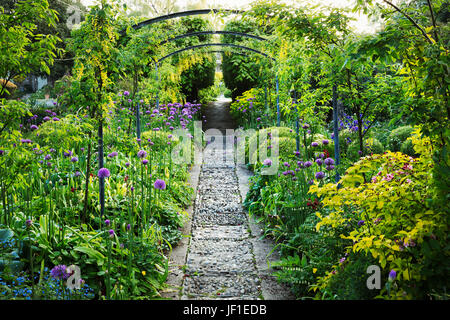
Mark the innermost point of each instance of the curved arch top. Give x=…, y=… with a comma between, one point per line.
x=199, y=33
x=212, y=45
x=177, y=15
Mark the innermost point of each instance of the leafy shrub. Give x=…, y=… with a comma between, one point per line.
x=408, y=148
x=371, y=146
x=401, y=230
x=346, y=137
x=397, y=137
x=349, y=283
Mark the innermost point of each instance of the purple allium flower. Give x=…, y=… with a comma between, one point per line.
x=319, y=161
x=107, y=222
x=132, y=188
x=126, y=93
x=300, y=164
x=286, y=164
x=314, y=144
x=33, y=127
x=77, y=174
x=325, y=142
x=341, y=260
x=46, y=118
x=55, y=119
x=127, y=164
x=103, y=173
x=310, y=182
x=74, y=159
x=297, y=153
x=392, y=275
x=267, y=162
x=142, y=154
x=68, y=154
x=25, y=140
x=361, y=222
x=59, y=272
x=258, y=119
x=111, y=233
x=308, y=164
x=28, y=223
x=170, y=136
x=112, y=154
x=305, y=126
x=320, y=175
x=329, y=161
x=144, y=162
x=47, y=157
x=2, y=152
x=160, y=184
x=128, y=226
x=330, y=167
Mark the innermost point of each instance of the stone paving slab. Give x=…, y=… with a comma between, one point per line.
x=220, y=256
x=221, y=232
x=206, y=218
x=213, y=287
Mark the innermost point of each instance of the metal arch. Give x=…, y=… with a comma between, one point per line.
x=177, y=15
x=211, y=45
x=199, y=33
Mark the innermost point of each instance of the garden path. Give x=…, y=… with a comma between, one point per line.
x=226, y=258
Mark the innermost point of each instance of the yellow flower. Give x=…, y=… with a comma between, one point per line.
x=314, y=270
x=144, y=273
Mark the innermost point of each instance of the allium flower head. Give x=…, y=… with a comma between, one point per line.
x=112, y=154
x=314, y=144
x=267, y=162
x=103, y=173
x=74, y=159
x=320, y=175
x=308, y=164
x=142, y=154
x=33, y=127
x=59, y=272
x=319, y=161
x=329, y=161
x=144, y=162
x=160, y=184
x=111, y=233
x=325, y=142
x=392, y=275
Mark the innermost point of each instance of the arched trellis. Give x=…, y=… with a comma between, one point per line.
x=156, y=63
x=178, y=15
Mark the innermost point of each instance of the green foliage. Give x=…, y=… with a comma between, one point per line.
x=22, y=48
x=401, y=230
x=398, y=136
x=370, y=146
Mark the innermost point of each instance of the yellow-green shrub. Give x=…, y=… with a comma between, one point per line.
x=402, y=230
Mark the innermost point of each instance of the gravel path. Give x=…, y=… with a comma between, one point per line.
x=224, y=260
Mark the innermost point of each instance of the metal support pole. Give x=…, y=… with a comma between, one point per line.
x=100, y=165
x=297, y=126
x=336, y=131
x=138, y=124
x=278, y=101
